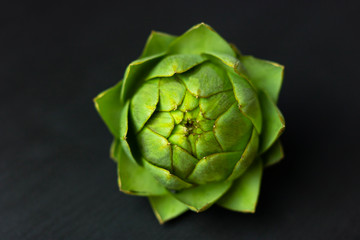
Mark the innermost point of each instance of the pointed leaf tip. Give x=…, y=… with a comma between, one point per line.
x=202, y=197
x=166, y=207
x=244, y=193
x=108, y=105
x=199, y=39
x=157, y=42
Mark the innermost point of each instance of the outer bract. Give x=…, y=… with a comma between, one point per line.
x=194, y=123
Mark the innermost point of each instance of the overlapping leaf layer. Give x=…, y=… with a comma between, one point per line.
x=191, y=124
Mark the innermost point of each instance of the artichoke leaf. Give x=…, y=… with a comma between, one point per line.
x=206, y=125
x=247, y=156
x=243, y=194
x=178, y=63
x=189, y=103
x=124, y=136
x=155, y=148
x=180, y=140
x=135, y=75
x=133, y=178
x=165, y=178
x=157, y=42
x=206, y=80
x=166, y=207
x=206, y=144
x=144, y=102
x=183, y=162
x=265, y=75
x=273, y=122
x=229, y=60
x=109, y=107
x=200, y=38
x=162, y=123
x=124, y=121
x=216, y=104
x=177, y=115
x=202, y=197
x=247, y=99
x=215, y=167
x=172, y=93
x=233, y=130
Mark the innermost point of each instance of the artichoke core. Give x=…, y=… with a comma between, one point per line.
x=190, y=125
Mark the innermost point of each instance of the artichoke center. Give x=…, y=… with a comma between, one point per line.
x=190, y=125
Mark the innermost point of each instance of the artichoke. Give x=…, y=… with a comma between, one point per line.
x=194, y=123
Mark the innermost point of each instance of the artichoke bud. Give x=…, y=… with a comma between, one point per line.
x=194, y=123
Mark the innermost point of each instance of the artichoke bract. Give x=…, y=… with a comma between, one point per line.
x=194, y=123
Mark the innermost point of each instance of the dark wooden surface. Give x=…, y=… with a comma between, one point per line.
x=56, y=180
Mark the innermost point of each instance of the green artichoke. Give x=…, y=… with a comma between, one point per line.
x=194, y=123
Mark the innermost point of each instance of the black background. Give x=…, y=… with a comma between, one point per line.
x=56, y=179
